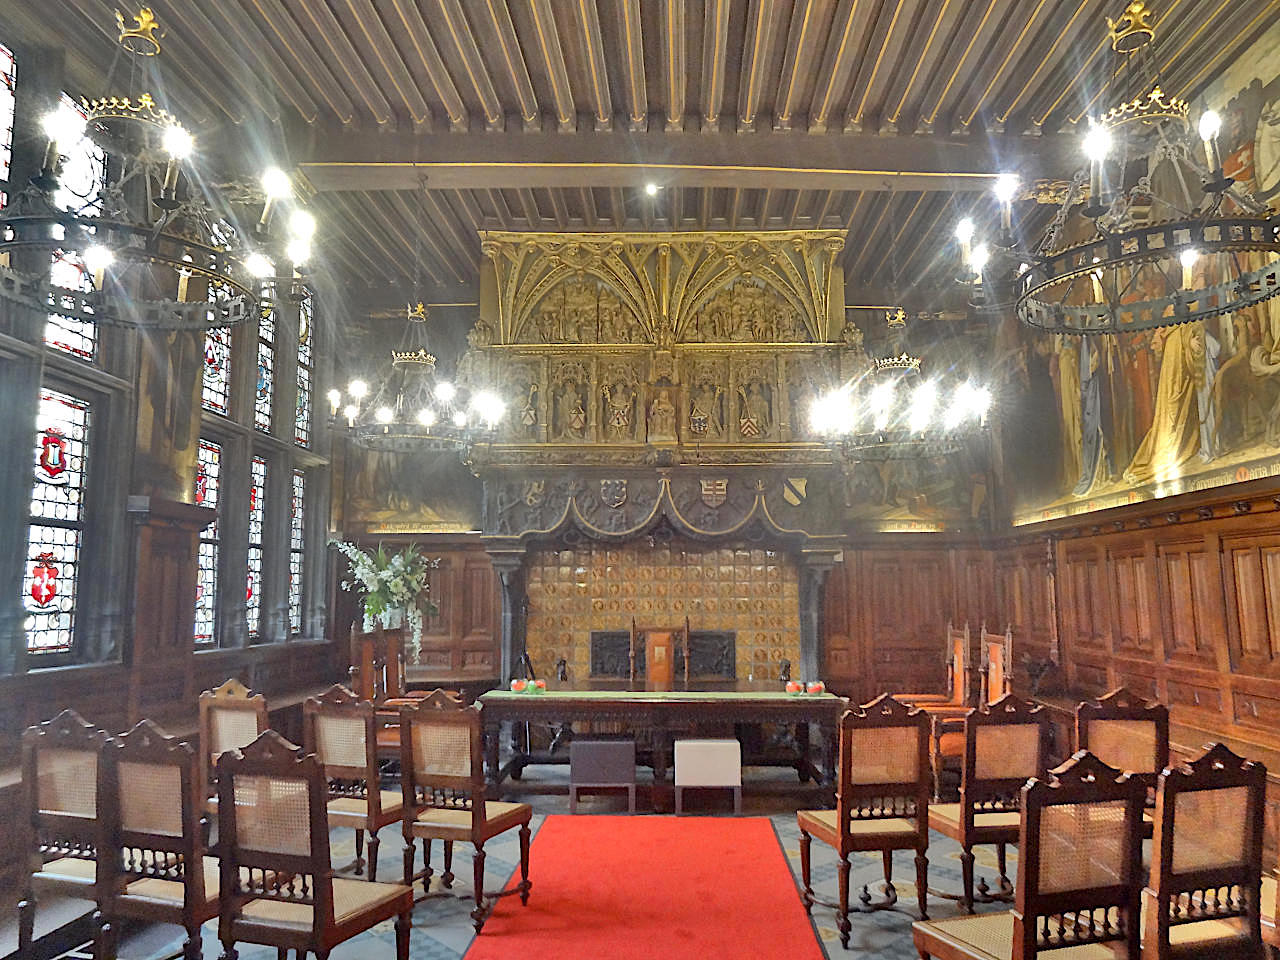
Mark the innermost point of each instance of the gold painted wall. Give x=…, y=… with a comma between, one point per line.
x=601, y=587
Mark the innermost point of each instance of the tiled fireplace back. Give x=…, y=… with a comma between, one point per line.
x=754, y=593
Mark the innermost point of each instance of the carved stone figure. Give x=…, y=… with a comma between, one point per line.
x=619, y=401
x=571, y=416
x=754, y=414
x=528, y=414
x=706, y=421
x=662, y=418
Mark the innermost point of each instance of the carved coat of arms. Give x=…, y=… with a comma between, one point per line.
x=613, y=493
x=715, y=492
x=795, y=490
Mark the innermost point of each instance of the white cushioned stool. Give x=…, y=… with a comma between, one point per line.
x=709, y=763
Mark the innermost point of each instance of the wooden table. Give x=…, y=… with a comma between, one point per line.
x=657, y=719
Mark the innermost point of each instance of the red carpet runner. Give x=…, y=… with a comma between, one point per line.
x=652, y=888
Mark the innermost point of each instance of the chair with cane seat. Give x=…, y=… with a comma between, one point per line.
x=882, y=802
x=60, y=789
x=340, y=729
x=1081, y=848
x=1005, y=744
x=1203, y=898
x=154, y=863
x=1129, y=733
x=442, y=776
x=1270, y=909
x=276, y=878
x=231, y=716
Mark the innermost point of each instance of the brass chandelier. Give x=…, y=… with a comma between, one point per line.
x=157, y=246
x=1152, y=233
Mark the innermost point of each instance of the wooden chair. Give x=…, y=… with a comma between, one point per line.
x=1081, y=846
x=1270, y=910
x=442, y=775
x=60, y=801
x=1129, y=733
x=340, y=729
x=378, y=675
x=1005, y=744
x=154, y=866
x=230, y=717
x=660, y=645
x=958, y=673
x=277, y=880
x=1203, y=897
x=882, y=802
x=996, y=672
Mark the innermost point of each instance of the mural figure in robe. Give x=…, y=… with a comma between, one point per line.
x=1174, y=437
x=1068, y=382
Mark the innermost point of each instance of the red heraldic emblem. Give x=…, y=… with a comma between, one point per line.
x=202, y=485
x=44, y=580
x=53, y=456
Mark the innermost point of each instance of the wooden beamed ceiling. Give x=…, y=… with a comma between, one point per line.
x=885, y=118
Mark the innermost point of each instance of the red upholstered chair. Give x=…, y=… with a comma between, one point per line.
x=1081, y=860
x=60, y=806
x=340, y=730
x=882, y=801
x=1203, y=898
x=277, y=880
x=1005, y=744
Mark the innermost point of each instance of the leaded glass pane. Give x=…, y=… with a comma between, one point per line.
x=253, y=588
x=73, y=335
x=208, y=479
x=216, y=390
x=302, y=415
x=266, y=359
x=8, y=85
x=296, y=548
x=57, y=513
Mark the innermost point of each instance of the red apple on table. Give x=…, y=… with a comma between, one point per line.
x=540, y=685
x=518, y=685
x=795, y=686
x=817, y=686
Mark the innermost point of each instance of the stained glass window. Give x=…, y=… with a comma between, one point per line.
x=208, y=479
x=297, y=541
x=216, y=390
x=302, y=415
x=253, y=589
x=266, y=359
x=57, y=522
x=81, y=178
x=8, y=84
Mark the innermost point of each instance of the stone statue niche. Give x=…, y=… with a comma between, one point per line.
x=705, y=413
x=525, y=417
x=580, y=310
x=755, y=409
x=747, y=311
x=662, y=413
x=569, y=397
x=619, y=398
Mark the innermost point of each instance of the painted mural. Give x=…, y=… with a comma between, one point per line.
x=1152, y=414
x=409, y=493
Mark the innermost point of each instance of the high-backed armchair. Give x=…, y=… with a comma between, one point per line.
x=1081, y=860
x=959, y=671
x=1129, y=733
x=231, y=716
x=997, y=664
x=659, y=645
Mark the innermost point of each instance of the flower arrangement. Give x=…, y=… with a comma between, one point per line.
x=391, y=583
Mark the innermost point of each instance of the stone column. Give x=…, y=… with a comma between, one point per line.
x=814, y=568
x=509, y=565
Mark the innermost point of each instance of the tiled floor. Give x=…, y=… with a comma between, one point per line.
x=442, y=929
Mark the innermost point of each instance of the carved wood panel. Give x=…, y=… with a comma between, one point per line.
x=1191, y=599
x=1085, y=616
x=1131, y=578
x=1251, y=571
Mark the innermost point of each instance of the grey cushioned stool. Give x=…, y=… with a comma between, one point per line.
x=597, y=764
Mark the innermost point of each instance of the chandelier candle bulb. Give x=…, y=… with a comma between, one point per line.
x=335, y=398
x=1210, y=125
x=1005, y=187
x=1188, y=259
x=358, y=389
x=350, y=411
x=276, y=186
x=964, y=233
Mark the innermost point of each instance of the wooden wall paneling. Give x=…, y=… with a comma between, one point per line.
x=1130, y=568
x=1251, y=577
x=1190, y=591
x=1082, y=612
x=479, y=632
x=844, y=668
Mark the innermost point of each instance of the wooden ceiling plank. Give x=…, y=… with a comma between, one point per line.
x=802, y=38
x=735, y=198
x=715, y=42
x=1071, y=38
x=429, y=54
x=558, y=208
x=704, y=206
x=465, y=201
x=793, y=209
x=848, y=29
x=500, y=209
x=388, y=57
x=891, y=251
x=557, y=71
x=895, y=117
x=618, y=201
x=936, y=234
x=532, y=215
x=633, y=63
x=858, y=115
x=517, y=70
x=673, y=53
x=464, y=40
x=755, y=60
x=1003, y=46
x=410, y=225
x=340, y=48
x=825, y=209
x=466, y=242
x=588, y=202
x=588, y=20
x=958, y=61
x=356, y=208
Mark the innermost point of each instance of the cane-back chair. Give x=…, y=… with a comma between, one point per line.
x=1129, y=733
x=154, y=866
x=1081, y=860
x=882, y=802
x=231, y=716
x=1203, y=897
x=442, y=776
x=340, y=729
x=277, y=880
x=1005, y=744
x=63, y=831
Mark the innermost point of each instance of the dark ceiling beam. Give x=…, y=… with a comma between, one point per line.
x=618, y=203
x=410, y=210
x=429, y=55
x=465, y=201
x=588, y=201
x=755, y=59
x=530, y=204
x=557, y=71
x=715, y=41
x=326, y=27
x=558, y=208
x=633, y=63
x=385, y=54
x=587, y=18
x=354, y=158
x=802, y=47
x=461, y=238
x=464, y=40
x=843, y=45
x=517, y=70
x=355, y=212
x=673, y=55
x=500, y=210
